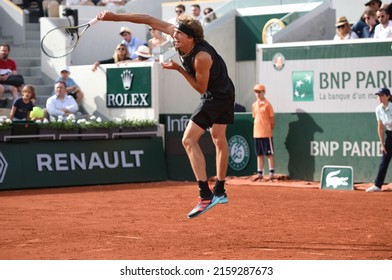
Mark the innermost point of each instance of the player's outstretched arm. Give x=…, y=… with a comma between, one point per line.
x=155, y=23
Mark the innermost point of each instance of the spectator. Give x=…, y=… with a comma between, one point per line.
x=389, y=10
x=358, y=27
x=384, y=29
x=196, y=13
x=156, y=42
x=131, y=42
x=22, y=106
x=61, y=104
x=121, y=54
x=264, y=122
x=180, y=9
x=143, y=54
x=7, y=68
x=343, y=30
x=72, y=87
x=371, y=21
x=209, y=15
x=26, y=7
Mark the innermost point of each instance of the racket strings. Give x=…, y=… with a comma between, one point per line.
x=73, y=33
x=60, y=41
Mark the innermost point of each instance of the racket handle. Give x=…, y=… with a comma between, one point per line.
x=93, y=21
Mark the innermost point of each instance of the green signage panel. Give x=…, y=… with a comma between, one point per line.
x=242, y=159
x=334, y=177
x=69, y=163
x=128, y=87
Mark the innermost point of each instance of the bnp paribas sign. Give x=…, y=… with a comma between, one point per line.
x=128, y=87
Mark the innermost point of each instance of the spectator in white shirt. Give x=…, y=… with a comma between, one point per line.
x=196, y=13
x=61, y=104
x=384, y=29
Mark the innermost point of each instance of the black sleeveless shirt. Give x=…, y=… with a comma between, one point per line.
x=220, y=85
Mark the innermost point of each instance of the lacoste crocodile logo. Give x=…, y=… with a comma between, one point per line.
x=333, y=181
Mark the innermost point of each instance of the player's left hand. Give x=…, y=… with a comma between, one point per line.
x=170, y=65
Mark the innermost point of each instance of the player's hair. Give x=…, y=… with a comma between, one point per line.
x=193, y=24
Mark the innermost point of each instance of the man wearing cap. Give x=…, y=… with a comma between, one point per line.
x=205, y=70
x=130, y=41
x=384, y=127
x=361, y=24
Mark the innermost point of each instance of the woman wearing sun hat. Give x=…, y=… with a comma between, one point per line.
x=343, y=30
x=143, y=54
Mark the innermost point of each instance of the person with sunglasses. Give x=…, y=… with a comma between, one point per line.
x=343, y=30
x=209, y=15
x=206, y=72
x=120, y=55
x=179, y=10
x=384, y=29
x=370, y=18
x=361, y=23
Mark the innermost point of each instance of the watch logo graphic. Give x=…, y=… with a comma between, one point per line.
x=127, y=77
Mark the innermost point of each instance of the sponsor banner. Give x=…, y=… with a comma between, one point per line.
x=242, y=159
x=306, y=142
x=128, y=87
x=323, y=94
x=324, y=76
x=68, y=163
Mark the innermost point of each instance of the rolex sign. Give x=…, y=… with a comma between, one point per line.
x=128, y=87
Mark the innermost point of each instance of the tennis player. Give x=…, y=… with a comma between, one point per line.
x=206, y=72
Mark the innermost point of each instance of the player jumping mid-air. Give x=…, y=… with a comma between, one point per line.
x=206, y=72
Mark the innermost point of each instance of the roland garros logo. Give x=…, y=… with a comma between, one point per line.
x=238, y=152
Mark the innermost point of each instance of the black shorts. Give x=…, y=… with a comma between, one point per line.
x=214, y=111
x=264, y=146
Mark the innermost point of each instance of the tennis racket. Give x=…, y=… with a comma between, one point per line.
x=61, y=41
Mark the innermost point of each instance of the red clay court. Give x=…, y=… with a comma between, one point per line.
x=281, y=220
